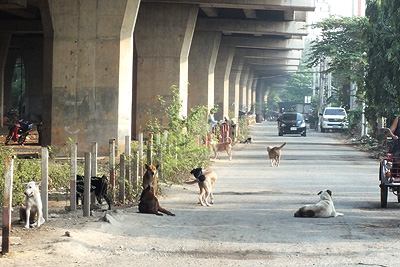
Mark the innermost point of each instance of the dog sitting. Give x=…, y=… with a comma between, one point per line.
x=274, y=154
x=98, y=185
x=33, y=211
x=227, y=146
x=206, y=181
x=150, y=177
x=323, y=209
x=149, y=203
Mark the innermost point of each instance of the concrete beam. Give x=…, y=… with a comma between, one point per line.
x=210, y=12
x=263, y=43
x=256, y=27
x=276, y=69
x=272, y=62
x=250, y=13
x=271, y=54
x=300, y=5
x=10, y=4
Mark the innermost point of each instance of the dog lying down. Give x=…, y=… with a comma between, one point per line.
x=149, y=203
x=323, y=209
x=32, y=212
x=206, y=181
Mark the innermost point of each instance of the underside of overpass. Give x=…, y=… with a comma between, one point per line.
x=90, y=70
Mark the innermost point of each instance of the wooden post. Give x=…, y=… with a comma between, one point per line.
x=93, y=168
x=159, y=154
x=112, y=162
x=122, y=179
x=87, y=185
x=140, y=158
x=128, y=175
x=7, y=206
x=72, y=177
x=45, y=182
x=94, y=159
x=150, y=149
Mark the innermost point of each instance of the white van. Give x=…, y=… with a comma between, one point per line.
x=333, y=118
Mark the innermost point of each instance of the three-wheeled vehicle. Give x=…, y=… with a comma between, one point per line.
x=389, y=173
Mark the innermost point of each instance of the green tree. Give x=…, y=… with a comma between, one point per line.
x=298, y=86
x=382, y=83
x=342, y=45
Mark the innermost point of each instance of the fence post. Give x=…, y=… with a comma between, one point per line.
x=93, y=168
x=72, y=178
x=159, y=155
x=112, y=162
x=45, y=182
x=128, y=172
x=140, y=159
x=150, y=149
x=87, y=185
x=122, y=179
x=7, y=206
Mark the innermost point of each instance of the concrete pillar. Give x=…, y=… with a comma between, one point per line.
x=222, y=72
x=32, y=57
x=202, y=59
x=91, y=89
x=5, y=38
x=234, y=82
x=243, y=88
x=249, y=88
x=163, y=37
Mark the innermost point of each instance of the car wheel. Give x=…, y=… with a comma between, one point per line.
x=384, y=195
x=280, y=134
x=322, y=130
x=304, y=133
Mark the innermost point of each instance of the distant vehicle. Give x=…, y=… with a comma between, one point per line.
x=334, y=119
x=292, y=123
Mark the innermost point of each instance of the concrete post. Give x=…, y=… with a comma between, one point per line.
x=163, y=37
x=45, y=182
x=202, y=59
x=222, y=71
x=249, y=88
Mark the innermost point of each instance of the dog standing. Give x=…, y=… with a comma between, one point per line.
x=149, y=203
x=227, y=146
x=150, y=177
x=274, y=154
x=323, y=209
x=98, y=185
x=206, y=181
x=33, y=210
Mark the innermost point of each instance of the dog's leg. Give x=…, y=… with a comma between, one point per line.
x=206, y=195
x=40, y=219
x=28, y=214
x=211, y=198
x=201, y=197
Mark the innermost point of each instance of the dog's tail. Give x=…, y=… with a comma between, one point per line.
x=160, y=209
x=192, y=182
x=282, y=145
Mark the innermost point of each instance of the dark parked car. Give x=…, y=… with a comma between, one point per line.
x=291, y=123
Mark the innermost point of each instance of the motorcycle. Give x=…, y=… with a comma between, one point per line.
x=18, y=131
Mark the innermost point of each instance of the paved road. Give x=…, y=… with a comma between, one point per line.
x=251, y=222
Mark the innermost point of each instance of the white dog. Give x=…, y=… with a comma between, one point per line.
x=33, y=205
x=323, y=209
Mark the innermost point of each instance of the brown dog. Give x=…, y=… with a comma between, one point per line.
x=274, y=154
x=149, y=204
x=227, y=146
x=150, y=177
x=206, y=181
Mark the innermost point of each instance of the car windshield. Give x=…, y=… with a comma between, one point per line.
x=335, y=112
x=292, y=117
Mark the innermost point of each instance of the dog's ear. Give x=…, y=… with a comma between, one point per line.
x=329, y=192
x=157, y=166
x=146, y=166
x=319, y=193
x=38, y=183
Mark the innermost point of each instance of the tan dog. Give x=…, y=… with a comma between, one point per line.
x=206, y=181
x=150, y=177
x=274, y=154
x=323, y=209
x=149, y=204
x=227, y=146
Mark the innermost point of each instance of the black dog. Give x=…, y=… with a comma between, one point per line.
x=98, y=185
